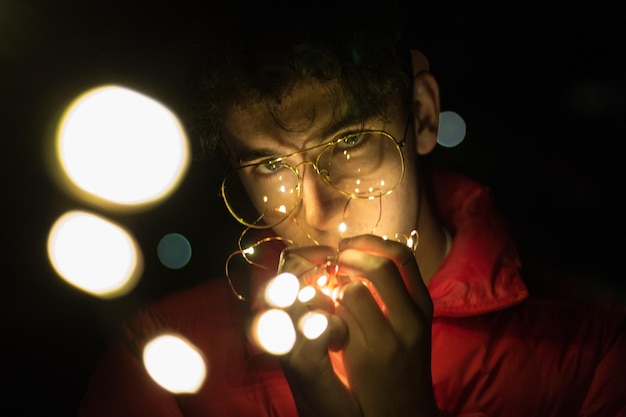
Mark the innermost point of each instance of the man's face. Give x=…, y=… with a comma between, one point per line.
x=311, y=116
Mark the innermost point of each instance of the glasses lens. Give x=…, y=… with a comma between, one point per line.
x=261, y=195
x=363, y=165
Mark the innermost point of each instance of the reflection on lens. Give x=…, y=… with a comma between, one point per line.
x=261, y=201
x=363, y=165
x=370, y=167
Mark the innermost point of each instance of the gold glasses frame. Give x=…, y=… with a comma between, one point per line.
x=322, y=173
x=244, y=251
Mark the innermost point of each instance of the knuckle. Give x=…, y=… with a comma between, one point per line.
x=354, y=291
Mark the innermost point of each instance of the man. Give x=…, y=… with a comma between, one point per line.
x=325, y=119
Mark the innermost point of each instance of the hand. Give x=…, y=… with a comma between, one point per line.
x=382, y=324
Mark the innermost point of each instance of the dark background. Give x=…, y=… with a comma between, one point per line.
x=542, y=90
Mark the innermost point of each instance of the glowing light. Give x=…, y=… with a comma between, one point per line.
x=175, y=364
x=282, y=209
x=174, y=250
x=265, y=199
x=322, y=280
x=413, y=240
x=382, y=183
x=274, y=331
x=358, y=182
x=306, y=294
x=94, y=254
x=249, y=251
x=313, y=325
x=282, y=188
x=451, y=130
x=342, y=227
x=282, y=290
x=119, y=147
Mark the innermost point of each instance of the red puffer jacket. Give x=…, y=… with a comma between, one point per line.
x=496, y=350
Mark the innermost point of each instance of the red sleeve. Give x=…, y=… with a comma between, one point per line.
x=120, y=387
x=607, y=392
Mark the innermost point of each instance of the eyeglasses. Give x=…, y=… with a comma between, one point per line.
x=256, y=262
x=366, y=164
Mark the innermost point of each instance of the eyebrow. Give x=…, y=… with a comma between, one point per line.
x=342, y=123
x=249, y=155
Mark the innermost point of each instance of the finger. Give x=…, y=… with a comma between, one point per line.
x=318, y=331
x=314, y=266
x=384, y=282
x=364, y=318
x=317, y=388
x=402, y=258
x=313, y=298
x=300, y=260
x=321, y=330
x=409, y=316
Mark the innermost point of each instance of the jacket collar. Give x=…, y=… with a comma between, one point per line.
x=481, y=273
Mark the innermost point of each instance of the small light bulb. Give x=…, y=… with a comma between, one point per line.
x=322, y=280
x=306, y=294
x=313, y=325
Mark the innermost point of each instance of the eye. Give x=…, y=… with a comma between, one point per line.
x=267, y=168
x=352, y=141
x=357, y=142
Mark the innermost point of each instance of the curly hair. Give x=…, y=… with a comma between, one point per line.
x=258, y=56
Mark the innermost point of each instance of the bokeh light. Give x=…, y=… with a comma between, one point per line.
x=282, y=290
x=313, y=325
x=306, y=294
x=452, y=129
x=175, y=364
x=174, y=250
x=273, y=331
x=94, y=254
x=120, y=149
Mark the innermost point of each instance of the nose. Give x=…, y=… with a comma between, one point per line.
x=322, y=206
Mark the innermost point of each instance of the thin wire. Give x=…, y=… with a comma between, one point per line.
x=330, y=264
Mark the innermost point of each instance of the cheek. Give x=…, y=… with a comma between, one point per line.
x=401, y=206
x=391, y=215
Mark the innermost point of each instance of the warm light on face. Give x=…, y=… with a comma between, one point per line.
x=175, y=364
x=117, y=146
x=94, y=254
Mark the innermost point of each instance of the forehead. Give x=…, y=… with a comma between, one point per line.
x=308, y=112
